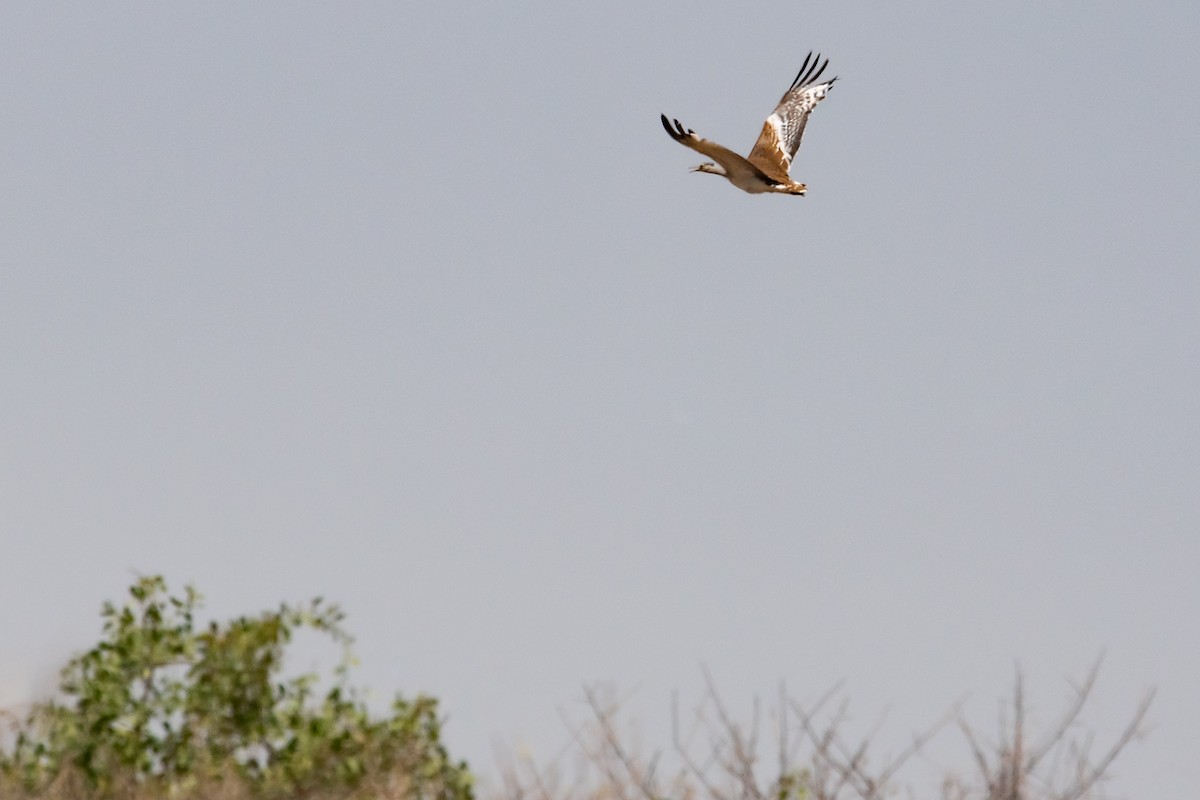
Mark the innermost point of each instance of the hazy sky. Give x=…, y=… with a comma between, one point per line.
x=416, y=307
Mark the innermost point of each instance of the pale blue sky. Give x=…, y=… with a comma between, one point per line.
x=416, y=307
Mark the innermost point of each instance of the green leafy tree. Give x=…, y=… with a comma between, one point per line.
x=161, y=704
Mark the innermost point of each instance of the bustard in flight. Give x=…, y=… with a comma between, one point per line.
x=766, y=168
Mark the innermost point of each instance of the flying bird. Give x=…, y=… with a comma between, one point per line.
x=767, y=167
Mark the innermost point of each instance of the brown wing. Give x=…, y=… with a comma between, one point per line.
x=781, y=133
x=728, y=159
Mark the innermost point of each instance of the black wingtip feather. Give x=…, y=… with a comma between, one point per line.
x=678, y=132
x=816, y=75
x=803, y=67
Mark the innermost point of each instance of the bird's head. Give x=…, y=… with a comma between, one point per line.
x=708, y=167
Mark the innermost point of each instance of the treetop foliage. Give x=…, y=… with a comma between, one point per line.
x=164, y=706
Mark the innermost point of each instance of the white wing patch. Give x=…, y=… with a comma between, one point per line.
x=795, y=111
x=783, y=129
x=776, y=125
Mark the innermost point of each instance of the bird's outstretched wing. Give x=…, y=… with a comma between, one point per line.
x=728, y=159
x=780, y=137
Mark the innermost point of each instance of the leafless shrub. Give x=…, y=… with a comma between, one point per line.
x=1061, y=765
x=599, y=763
x=812, y=756
x=717, y=757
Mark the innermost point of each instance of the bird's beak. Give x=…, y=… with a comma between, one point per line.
x=695, y=169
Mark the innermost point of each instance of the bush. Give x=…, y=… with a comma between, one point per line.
x=813, y=757
x=159, y=707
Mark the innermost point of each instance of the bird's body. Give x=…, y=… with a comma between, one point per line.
x=767, y=168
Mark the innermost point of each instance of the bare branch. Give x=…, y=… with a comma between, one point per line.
x=1092, y=776
x=741, y=764
x=698, y=772
x=610, y=756
x=981, y=760
x=1017, y=772
x=1082, y=692
x=835, y=764
x=917, y=745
